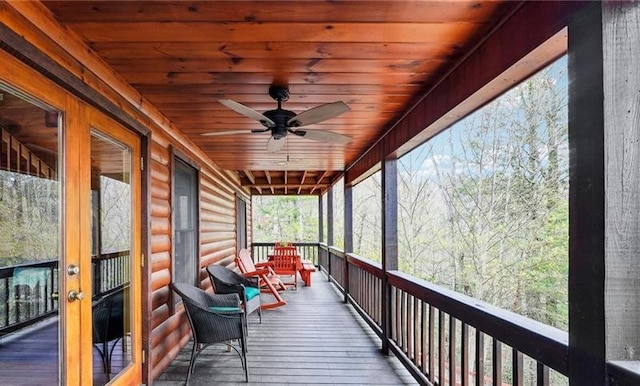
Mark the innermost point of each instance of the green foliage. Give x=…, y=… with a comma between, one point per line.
x=29, y=219
x=290, y=218
x=488, y=198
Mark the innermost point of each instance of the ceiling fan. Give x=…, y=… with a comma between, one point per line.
x=280, y=122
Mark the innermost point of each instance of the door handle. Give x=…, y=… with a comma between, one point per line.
x=74, y=295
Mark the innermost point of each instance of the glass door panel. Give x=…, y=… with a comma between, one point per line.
x=30, y=242
x=111, y=196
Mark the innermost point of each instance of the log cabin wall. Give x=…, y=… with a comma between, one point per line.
x=168, y=330
x=26, y=31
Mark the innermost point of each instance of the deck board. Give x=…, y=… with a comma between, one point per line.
x=30, y=357
x=313, y=340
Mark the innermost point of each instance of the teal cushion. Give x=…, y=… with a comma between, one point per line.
x=251, y=292
x=224, y=309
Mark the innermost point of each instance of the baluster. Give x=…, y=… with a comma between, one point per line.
x=464, y=348
x=542, y=375
x=409, y=326
x=403, y=321
x=497, y=362
x=397, y=318
x=441, y=353
x=479, y=357
x=431, y=344
x=452, y=350
x=6, y=296
x=517, y=367
x=366, y=292
x=416, y=332
x=423, y=338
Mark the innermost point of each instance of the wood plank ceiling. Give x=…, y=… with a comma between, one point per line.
x=379, y=57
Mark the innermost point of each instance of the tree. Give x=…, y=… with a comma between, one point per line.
x=292, y=218
x=488, y=208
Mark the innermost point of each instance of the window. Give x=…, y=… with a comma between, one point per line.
x=241, y=224
x=185, y=223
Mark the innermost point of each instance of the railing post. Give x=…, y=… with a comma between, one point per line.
x=329, y=230
x=604, y=315
x=320, y=220
x=348, y=237
x=389, y=242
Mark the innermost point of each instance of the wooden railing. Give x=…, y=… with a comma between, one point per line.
x=446, y=338
x=29, y=293
x=308, y=251
x=110, y=272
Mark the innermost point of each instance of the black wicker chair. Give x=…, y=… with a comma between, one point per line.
x=226, y=281
x=214, y=318
x=108, y=326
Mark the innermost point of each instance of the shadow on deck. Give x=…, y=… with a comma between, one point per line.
x=314, y=339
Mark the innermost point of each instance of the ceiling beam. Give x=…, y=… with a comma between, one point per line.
x=317, y=184
x=268, y=176
x=252, y=179
x=285, y=182
x=304, y=175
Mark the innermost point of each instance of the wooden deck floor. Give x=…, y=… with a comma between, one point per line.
x=314, y=340
x=31, y=358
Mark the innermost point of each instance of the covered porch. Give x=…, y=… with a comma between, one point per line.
x=314, y=339
x=149, y=86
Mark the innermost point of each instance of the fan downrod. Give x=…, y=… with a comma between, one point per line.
x=279, y=93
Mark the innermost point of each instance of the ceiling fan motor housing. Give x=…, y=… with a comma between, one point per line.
x=280, y=117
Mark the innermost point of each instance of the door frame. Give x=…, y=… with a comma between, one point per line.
x=78, y=118
x=108, y=127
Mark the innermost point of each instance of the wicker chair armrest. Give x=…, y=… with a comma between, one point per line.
x=251, y=282
x=222, y=300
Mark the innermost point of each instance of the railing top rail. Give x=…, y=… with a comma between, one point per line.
x=296, y=243
x=336, y=250
x=539, y=341
x=110, y=255
x=8, y=270
x=370, y=266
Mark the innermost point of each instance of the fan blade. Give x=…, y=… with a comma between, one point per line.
x=275, y=145
x=226, y=132
x=247, y=112
x=318, y=114
x=323, y=136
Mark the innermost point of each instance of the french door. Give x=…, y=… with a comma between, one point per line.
x=70, y=246
x=115, y=264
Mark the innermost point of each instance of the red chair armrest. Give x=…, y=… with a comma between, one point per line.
x=264, y=264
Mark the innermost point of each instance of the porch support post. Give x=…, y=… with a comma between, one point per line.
x=329, y=229
x=604, y=193
x=348, y=236
x=389, y=242
x=320, y=220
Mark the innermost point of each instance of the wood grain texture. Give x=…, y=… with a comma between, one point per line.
x=500, y=61
x=274, y=11
x=621, y=106
x=217, y=242
x=377, y=57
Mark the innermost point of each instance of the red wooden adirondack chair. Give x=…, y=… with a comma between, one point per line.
x=286, y=262
x=269, y=281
